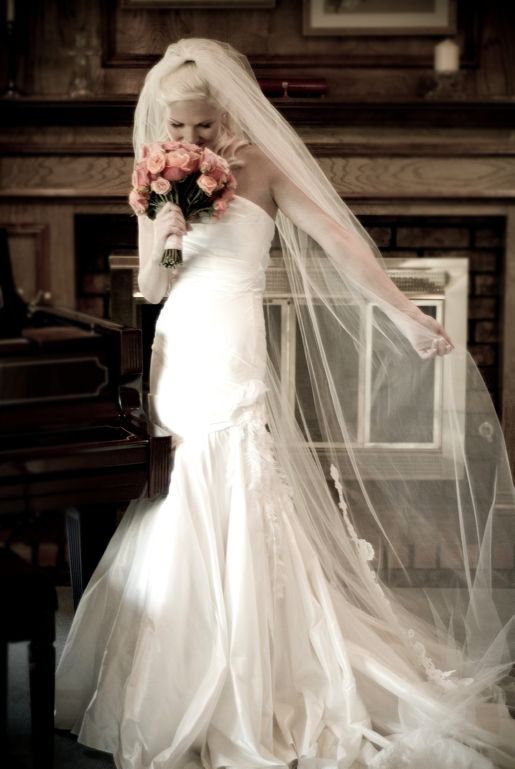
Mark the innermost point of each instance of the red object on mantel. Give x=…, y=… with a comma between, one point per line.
x=294, y=87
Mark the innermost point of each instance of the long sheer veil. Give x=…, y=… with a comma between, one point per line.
x=389, y=454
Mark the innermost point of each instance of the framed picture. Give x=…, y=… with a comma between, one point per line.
x=212, y=4
x=379, y=17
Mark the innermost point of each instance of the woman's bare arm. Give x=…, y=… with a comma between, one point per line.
x=348, y=249
x=153, y=278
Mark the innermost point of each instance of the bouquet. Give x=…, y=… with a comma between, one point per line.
x=194, y=178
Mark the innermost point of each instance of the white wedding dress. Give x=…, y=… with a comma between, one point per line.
x=208, y=634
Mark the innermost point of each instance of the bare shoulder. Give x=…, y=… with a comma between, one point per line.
x=255, y=177
x=256, y=161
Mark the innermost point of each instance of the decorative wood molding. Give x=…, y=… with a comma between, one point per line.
x=82, y=149
x=354, y=176
x=39, y=273
x=419, y=113
x=319, y=149
x=418, y=177
x=410, y=149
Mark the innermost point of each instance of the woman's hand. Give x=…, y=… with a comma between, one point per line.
x=427, y=335
x=169, y=221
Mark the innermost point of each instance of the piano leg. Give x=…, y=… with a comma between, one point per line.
x=88, y=531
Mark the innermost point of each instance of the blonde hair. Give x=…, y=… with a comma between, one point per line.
x=186, y=83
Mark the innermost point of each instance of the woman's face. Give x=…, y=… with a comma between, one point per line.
x=198, y=122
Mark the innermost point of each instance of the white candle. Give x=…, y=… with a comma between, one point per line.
x=10, y=10
x=447, y=56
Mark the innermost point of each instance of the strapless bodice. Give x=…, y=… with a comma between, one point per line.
x=231, y=252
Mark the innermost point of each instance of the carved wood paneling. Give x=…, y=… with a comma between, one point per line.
x=354, y=67
x=419, y=177
x=125, y=42
x=41, y=236
x=429, y=177
x=271, y=38
x=30, y=258
x=65, y=177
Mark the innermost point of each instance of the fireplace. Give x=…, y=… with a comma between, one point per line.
x=479, y=241
x=439, y=286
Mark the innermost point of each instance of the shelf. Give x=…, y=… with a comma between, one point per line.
x=119, y=111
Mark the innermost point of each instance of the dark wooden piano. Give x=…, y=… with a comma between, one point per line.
x=73, y=434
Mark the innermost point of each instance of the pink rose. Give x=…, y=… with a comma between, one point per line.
x=193, y=150
x=207, y=184
x=213, y=164
x=221, y=203
x=187, y=161
x=207, y=161
x=176, y=165
x=140, y=177
x=138, y=201
x=156, y=161
x=220, y=173
x=160, y=186
x=189, y=147
x=227, y=195
x=174, y=173
x=220, y=206
x=177, y=157
x=190, y=163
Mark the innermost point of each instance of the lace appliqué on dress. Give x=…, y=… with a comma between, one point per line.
x=428, y=749
x=364, y=548
x=445, y=679
x=271, y=490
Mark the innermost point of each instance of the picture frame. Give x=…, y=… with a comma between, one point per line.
x=379, y=17
x=195, y=4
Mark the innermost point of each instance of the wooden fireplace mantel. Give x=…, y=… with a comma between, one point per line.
x=494, y=112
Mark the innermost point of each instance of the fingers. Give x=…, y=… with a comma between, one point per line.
x=440, y=345
x=170, y=220
x=443, y=333
x=167, y=207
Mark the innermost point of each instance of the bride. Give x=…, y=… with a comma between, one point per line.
x=260, y=614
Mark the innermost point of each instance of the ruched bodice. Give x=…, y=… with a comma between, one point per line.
x=230, y=253
x=209, y=350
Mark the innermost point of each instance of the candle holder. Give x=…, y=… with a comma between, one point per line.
x=11, y=91
x=444, y=85
x=81, y=78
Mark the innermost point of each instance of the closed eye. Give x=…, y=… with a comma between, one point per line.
x=199, y=125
